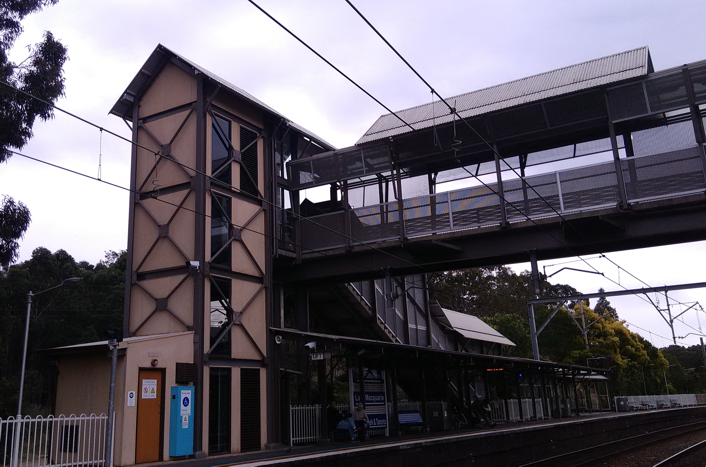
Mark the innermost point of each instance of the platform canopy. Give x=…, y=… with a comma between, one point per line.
x=470, y=327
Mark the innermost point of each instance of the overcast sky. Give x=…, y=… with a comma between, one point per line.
x=458, y=46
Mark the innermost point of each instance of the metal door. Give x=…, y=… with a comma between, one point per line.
x=150, y=428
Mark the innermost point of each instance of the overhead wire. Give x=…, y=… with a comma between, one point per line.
x=155, y=182
x=487, y=143
x=164, y=201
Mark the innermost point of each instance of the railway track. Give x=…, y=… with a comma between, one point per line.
x=594, y=455
x=694, y=455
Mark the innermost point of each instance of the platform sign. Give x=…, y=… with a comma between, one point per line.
x=185, y=403
x=375, y=396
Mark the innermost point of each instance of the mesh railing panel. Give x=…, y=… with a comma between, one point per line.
x=669, y=174
x=589, y=187
x=379, y=222
x=538, y=201
x=475, y=207
x=666, y=92
x=323, y=232
x=698, y=79
x=627, y=101
x=426, y=214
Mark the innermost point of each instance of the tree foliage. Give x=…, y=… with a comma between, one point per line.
x=40, y=74
x=14, y=221
x=499, y=297
x=65, y=316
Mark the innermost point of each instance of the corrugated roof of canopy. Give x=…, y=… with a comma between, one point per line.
x=606, y=70
x=156, y=61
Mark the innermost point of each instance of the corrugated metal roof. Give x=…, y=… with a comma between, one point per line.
x=153, y=66
x=579, y=77
x=472, y=327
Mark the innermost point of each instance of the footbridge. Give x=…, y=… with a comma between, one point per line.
x=602, y=156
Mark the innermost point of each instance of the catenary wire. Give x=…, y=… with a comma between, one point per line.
x=487, y=143
x=187, y=167
x=115, y=185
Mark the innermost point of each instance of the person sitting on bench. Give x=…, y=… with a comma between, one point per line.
x=360, y=418
x=347, y=424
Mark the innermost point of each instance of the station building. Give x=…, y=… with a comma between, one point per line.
x=235, y=278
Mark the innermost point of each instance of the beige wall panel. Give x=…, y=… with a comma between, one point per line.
x=163, y=255
x=242, y=262
x=253, y=319
x=168, y=350
x=243, y=211
x=141, y=305
x=182, y=227
x=146, y=232
x=171, y=88
x=254, y=240
x=235, y=405
x=161, y=322
x=240, y=108
x=183, y=149
x=145, y=162
x=83, y=384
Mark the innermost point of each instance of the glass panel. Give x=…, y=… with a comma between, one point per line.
x=220, y=315
x=220, y=153
x=220, y=230
x=219, y=410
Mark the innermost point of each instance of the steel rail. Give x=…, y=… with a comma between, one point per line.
x=645, y=439
x=681, y=455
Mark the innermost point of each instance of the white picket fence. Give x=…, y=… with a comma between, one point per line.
x=659, y=401
x=54, y=441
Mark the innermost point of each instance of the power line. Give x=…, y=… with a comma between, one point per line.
x=491, y=147
x=114, y=185
x=329, y=63
x=171, y=159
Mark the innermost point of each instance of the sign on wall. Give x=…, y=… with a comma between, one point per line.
x=149, y=389
x=375, y=396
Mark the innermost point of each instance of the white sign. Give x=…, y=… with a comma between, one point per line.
x=149, y=389
x=185, y=403
x=185, y=422
x=131, y=398
x=317, y=356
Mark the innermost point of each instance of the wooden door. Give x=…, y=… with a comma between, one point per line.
x=150, y=406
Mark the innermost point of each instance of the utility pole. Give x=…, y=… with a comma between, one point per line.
x=530, y=308
x=703, y=350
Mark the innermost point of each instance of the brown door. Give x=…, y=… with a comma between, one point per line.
x=150, y=402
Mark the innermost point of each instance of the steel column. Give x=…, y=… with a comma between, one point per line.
x=616, y=157
x=501, y=191
x=695, y=118
x=200, y=256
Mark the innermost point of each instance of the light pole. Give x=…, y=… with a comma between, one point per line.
x=18, y=420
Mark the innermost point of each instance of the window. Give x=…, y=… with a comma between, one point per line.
x=219, y=410
x=248, y=167
x=220, y=315
x=220, y=230
x=220, y=149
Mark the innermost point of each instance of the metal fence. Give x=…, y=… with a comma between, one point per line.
x=666, y=175
x=54, y=441
x=305, y=421
x=660, y=401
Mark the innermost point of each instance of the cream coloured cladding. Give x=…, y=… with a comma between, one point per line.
x=164, y=233
x=168, y=350
x=83, y=383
